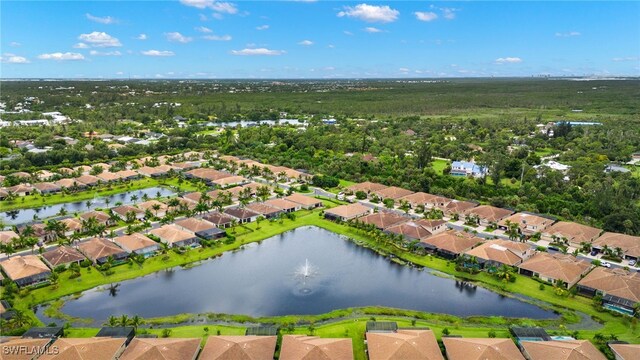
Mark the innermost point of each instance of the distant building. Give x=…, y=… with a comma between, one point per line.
x=466, y=168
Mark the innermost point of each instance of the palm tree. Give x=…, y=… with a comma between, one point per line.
x=124, y=320
x=135, y=321
x=134, y=198
x=258, y=220
x=513, y=231
x=112, y=321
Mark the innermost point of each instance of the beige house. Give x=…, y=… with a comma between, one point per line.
x=96, y=348
x=25, y=270
x=383, y=220
x=565, y=349
x=630, y=245
x=305, y=202
x=346, y=212
x=484, y=349
x=161, y=348
x=239, y=347
x=488, y=215
x=528, y=223
x=555, y=268
x=575, y=233
x=296, y=347
x=402, y=345
x=494, y=253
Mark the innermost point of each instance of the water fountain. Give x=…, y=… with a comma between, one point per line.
x=303, y=273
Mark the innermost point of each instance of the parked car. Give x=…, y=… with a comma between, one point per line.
x=632, y=263
x=605, y=264
x=594, y=252
x=553, y=248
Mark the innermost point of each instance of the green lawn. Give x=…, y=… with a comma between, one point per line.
x=439, y=166
x=343, y=184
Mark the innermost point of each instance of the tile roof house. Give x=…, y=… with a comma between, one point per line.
x=409, y=230
x=630, y=245
x=70, y=184
x=403, y=344
x=425, y=199
x=528, y=223
x=434, y=226
x=301, y=347
x=25, y=270
x=392, y=192
x=625, y=351
x=383, y=220
x=561, y=350
x=62, y=255
x=161, y=349
x=230, y=181
x=242, y=215
x=265, y=210
x=73, y=225
x=174, y=236
x=149, y=205
x=617, y=287
x=347, y=212
x=107, y=177
x=201, y=228
x=98, y=250
x=488, y=214
x=481, y=349
x=85, y=348
x=305, y=202
x=47, y=188
x=494, y=253
x=574, y=232
x=220, y=220
x=122, y=211
x=450, y=244
x=367, y=187
x=21, y=189
x=127, y=174
x=239, y=348
x=100, y=216
x=9, y=344
x=458, y=207
x=7, y=236
x=137, y=243
x=284, y=205
x=555, y=268
x=88, y=180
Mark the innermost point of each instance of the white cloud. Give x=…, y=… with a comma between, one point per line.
x=200, y=4
x=14, y=44
x=347, y=32
x=108, y=53
x=13, y=59
x=58, y=56
x=404, y=70
x=99, y=39
x=217, y=16
x=371, y=13
x=177, y=37
x=142, y=37
x=371, y=29
x=508, y=60
x=568, y=34
x=120, y=73
x=101, y=20
x=257, y=52
x=328, y=68
x=425, y=15
x=203, y=29
x=262, y=27
x=80, y=46
x=627, y=58
x=331, y=46
x=306, y=43
x=449, y=13
x=158, y=53
x=221, y=7
x=217, y=37
x=202, y=17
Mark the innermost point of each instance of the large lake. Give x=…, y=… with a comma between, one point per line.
x=18, y=217
x=267, y=279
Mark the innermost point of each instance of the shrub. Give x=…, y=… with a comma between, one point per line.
x=166, y=333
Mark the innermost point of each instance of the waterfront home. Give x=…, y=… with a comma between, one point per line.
x=107, y=177
x=62, y=256
x=410, y=231
x=625, y=351
x=157, y=171
x=10, y=344
x=21, y=190
x=284, y=205
x=296, y=347
x=22, y=176
x=487, y=215
x=122, y=211
x=305, y=202
x=101, y=217
x=458, y=207
x=576, y=234
x=562, y=349
x=70, y=184
x=367, y=187
x=619, y=288
x=174, y=236
x=7, y=236
x=450, y=244
x=137, y=243
x=99, y=250
x=265, y=210
x=383, y=220
x=161, y=348
x=528, y=223
x=468, y=169
x=47, y=188
x=419, y=344
x=72, y=225
x=89, y=180
x=206, y=174
x=347, y=212
x=82, y=169
x=241, y=214
x=559, y=269
x=45, y=175
x=127, y=174
x=481, y=348
x=3, y=193
x=218, y=219
x=239, y=347
x=152, y=205
x=392, y=192
x=494, y=253
x=230, y=181
x=201, y=228
x=25, y=270
x=629, y=245
x=85, y=348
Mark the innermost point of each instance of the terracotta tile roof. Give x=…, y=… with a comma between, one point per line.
x=561, y=350
x=72, y=224
x=430, y=223
x=47, y=186
x=88, y=179
x=300, y=347
x=15, y=343
x=502, y=251
x=68, y=183
x=20, y=267
x=161, y=349
x=229, y=158
x=240, y=213
x=7, y=235
x=366, y=186
x=99, y=215
x=20, y=188
x=134, y=242
x=108, y=176
x=195, y=225
x=303, y=199
x=629, y=244
x=402, y=345
x=383, y=220
x=616, y=282
x=458, y=206
x=348, y=211
x=625, y=351
x=574, y=232
x=410, y=229
x=171, y=234
x=524, y=219
x=481, y=349
x=422, y=198
x=490, y=213
x=123, y=174
x=124, y=209
x=393, y=192
x=455, y=242
x=263, y=209
x=21, y=174
x=557, y=266
x=218, y=218
x=239, y=348
x=282, y=204
x=98, y=248
x=230, y=180
x=62, y=255
x=86, y=348
x=208, y=174
x=149, y=205
x=193, y=196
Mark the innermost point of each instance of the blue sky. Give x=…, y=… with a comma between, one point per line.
x=317, y=39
